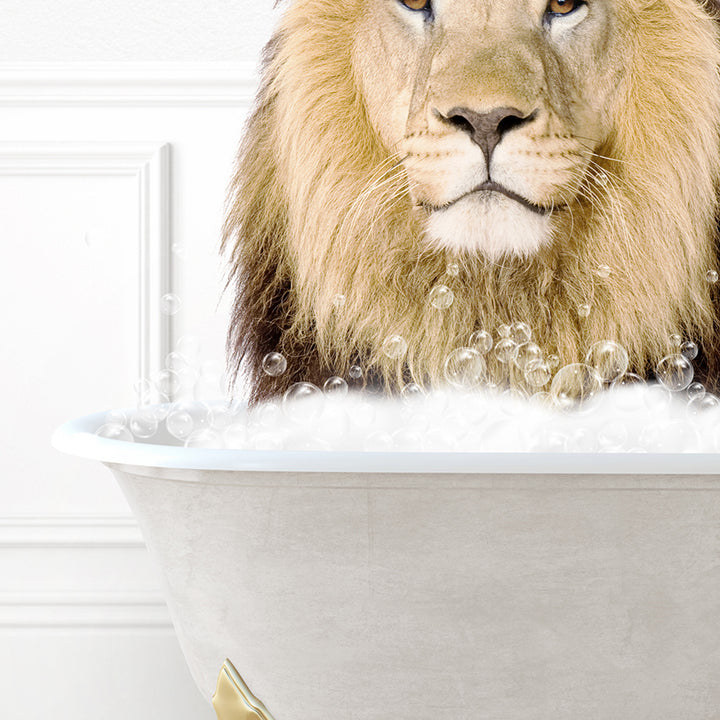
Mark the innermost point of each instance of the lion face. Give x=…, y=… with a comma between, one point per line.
x=494, y=108
x=562, y=156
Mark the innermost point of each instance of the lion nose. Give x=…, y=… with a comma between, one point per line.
x=487, y=129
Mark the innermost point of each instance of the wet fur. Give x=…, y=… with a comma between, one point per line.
x=319, y=207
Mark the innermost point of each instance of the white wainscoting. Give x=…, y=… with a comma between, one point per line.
x=127, y=84
x=68, y=572
x=148, y=165
x=114, y=178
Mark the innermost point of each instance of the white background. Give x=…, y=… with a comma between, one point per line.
x=95, y=97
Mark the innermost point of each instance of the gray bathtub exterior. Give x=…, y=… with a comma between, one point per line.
x=521, y=591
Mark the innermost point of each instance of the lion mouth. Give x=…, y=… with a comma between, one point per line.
x=486, y=188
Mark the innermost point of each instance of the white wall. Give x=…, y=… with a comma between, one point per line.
x=119, y=126
x=135, y=30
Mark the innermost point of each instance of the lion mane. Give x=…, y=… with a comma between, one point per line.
x=329, y=248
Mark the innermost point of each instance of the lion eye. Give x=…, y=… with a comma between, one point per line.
x=563, y=7
x=416, y=4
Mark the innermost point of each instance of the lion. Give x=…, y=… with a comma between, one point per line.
x=551, y=162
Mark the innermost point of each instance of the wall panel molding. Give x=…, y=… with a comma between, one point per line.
x=149, y=164
x=34, y=547
x=68, y=531
x=127, y=84
x=100, y=611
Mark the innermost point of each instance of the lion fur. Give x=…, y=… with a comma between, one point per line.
x=318, y=208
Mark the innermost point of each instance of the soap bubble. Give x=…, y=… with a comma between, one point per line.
x=363, y=415
x=675, y=340
x=116, y=417
x=601, y=178
x=143, y=391
x=203, y=439
x=556, y=441
x=675, y=372
x=143, y=423
x=335, y=386
x=541, y=399
x=267, y=415
x=581, y=440
x=179, y=424
x=695, y=390
x=553, y=361
x=274, y=364
x=187, y=416
x=711, y=276
x=630, y=386
x=176, y=361
x=453, y=269
x=609, y=360
x=464, y=368
x=537, y=373
x=189, y=347
x=355, y=372
x=114, y=431
x=268, y=441
x=302, y=402
x=439, y=440
x=221, y=416
x=689, y=349
x=188, y=377
x=657, y=398
x=167, y=382
x=159, y=412
x=505, y=350
x=675, y=436
x=583, y=310
x=378, y=441
x=339, y=301
x=510, y=397
x=236, y=436
x=394, y=347
x=441, y=297
x=602, y=271
x=170, y=304
x=613, y=436
x=526, y=353
x=574, y=384
x=702, y=404
x=210, y=384
x=504, y=331
x=333, y=423
x=407, y=440
x=412, y=391
x=628, y=380
x=520, y=333
x=482, y=341
x=314, y=444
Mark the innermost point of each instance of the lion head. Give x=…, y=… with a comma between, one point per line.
x=554, y=162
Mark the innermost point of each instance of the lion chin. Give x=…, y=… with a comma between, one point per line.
x=490, y=224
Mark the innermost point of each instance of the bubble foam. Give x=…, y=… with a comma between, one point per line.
x=628, y=418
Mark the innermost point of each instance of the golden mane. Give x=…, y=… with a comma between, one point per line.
x=319, y=208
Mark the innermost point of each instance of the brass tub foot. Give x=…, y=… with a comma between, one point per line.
x=233, y=700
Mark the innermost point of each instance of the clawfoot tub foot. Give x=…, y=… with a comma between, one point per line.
x=233, y=700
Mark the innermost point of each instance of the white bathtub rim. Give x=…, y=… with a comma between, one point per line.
x=77, y=437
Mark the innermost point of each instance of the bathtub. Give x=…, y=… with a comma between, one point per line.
x=371, y=586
